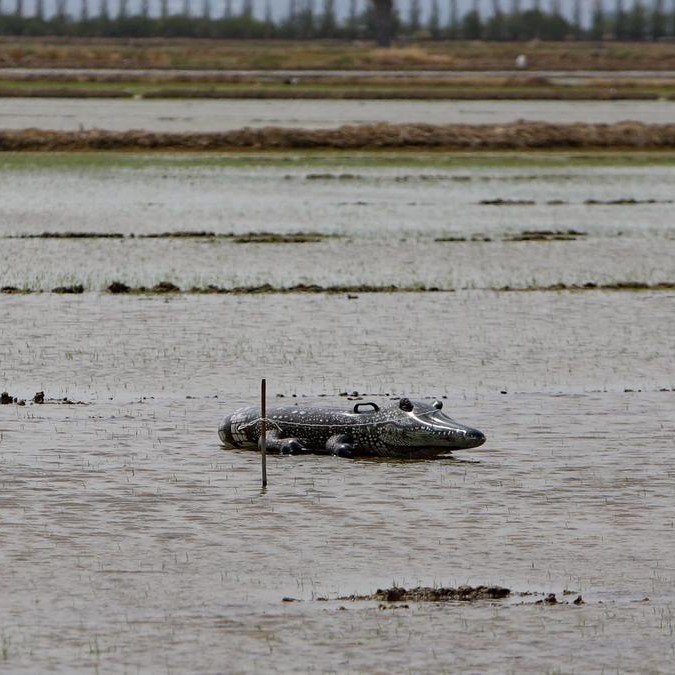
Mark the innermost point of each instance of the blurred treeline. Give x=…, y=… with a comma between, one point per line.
x=318, y=19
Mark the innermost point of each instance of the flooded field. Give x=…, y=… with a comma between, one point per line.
x=205, y=116
x=131, y=541
x=411, y=225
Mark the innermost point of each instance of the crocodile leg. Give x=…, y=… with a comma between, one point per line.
x=284, y=446
x=341, y=445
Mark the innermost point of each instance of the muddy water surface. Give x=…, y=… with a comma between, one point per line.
x=131, y=541
x=434, y=226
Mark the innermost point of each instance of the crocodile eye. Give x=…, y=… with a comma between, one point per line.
x=438, y=404
x=405, y=404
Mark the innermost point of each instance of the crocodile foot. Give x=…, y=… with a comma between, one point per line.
x=340, y=445
x=284, y=446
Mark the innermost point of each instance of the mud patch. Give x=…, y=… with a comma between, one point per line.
x=462, y=594
x=333, y=176
x=507, y=202
x=165, y=287
x=74, y=289
x=238, y=238
x=169, y=287
x=277, y=238
x=39, y=398
x=592, y=286
x=546, y=235
x=429, y=594
x=118, y=287
x=350, y=291
x=6, y=399
x=179, y=234
x=244, y=238
x=70, y=235
x=525, y=235
x=459, y=238
x=629, y=201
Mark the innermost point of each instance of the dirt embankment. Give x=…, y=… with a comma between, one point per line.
x=515, y=136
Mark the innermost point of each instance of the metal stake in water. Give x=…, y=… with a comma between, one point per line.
x=263, y=430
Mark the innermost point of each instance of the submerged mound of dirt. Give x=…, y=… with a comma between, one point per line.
x=428, y=594
x=516, y=136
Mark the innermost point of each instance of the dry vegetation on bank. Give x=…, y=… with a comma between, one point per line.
x=275, y=54
x=451, y=137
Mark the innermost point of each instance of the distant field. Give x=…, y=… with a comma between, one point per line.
x=214, y=69
x=478, y=87
x=272, y=54
x=253, y=87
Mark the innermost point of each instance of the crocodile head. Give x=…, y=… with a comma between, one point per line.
x=416, y=425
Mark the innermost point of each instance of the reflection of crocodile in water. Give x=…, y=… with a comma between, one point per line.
x=408, y=429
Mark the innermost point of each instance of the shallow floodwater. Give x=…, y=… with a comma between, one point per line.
x=131, y=541
x=205, y=116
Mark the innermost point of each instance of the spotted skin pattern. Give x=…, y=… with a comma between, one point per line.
x=407, y=429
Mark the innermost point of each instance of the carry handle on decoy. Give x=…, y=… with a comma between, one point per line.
x=370, y=403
